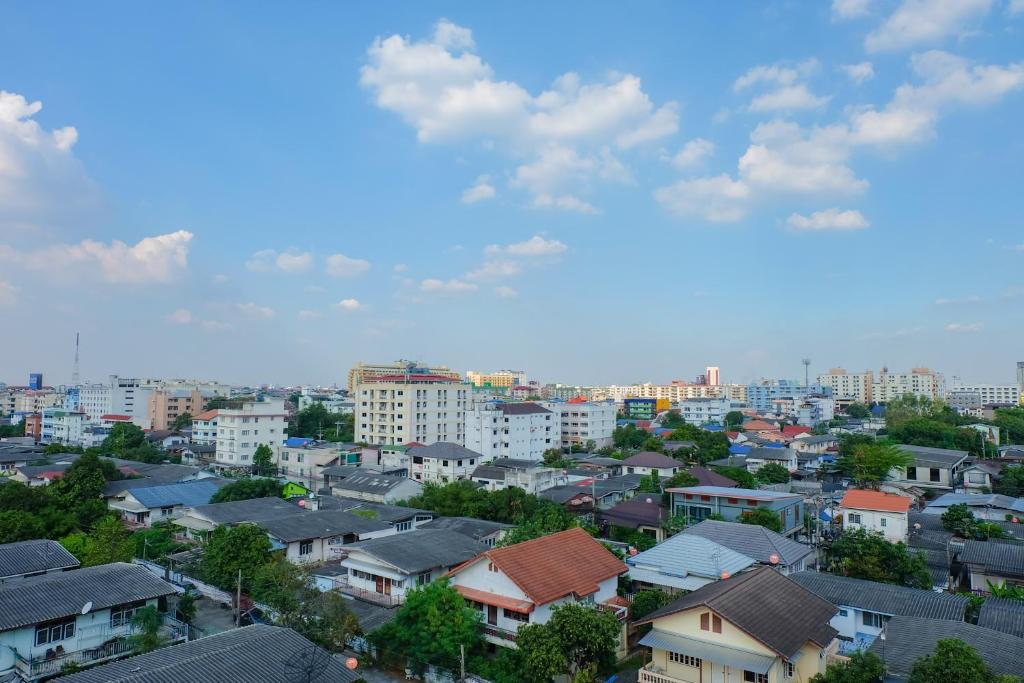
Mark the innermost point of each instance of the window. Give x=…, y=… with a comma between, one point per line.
x=122, y=614
x=710, y=622
x=403, y=526
x=751, y=677
x=883, y=521
x=165, y=512
x=853, y=517
x=305, y=547
x=685, y=660
x=912, y=473
x=516, y=616
x=874, y=619
x=423, y=579
x=788, y=669
x=491, y=567
x=54, y=631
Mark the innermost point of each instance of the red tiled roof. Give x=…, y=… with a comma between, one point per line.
x=793, y=430
x=116, y=418
x=875, y=500
x=556, y=565
x=522, y=606
x=206, y=416
x=760, y=426
x=578, y=399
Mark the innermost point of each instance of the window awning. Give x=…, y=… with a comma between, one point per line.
x=521, y=606
x=194, y=523
x=719, y=654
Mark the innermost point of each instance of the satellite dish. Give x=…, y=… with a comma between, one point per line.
x=87, y=607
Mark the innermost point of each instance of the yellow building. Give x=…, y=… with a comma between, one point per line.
x=505, y=379
x=755, y=627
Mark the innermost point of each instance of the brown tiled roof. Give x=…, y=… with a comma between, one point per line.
x=651, y=459
x=706, y=477
x=556, y=565
x=768, y=606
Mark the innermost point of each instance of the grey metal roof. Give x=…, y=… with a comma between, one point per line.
x=907, y=639
x=319, y=524
x=998, y=558
x=682, y=555
x=521, y=408
x=564, y=493
x=468, y=526
x=740, y=659
x=444, y=450
x=768, y=606
x=827, y=438
x=61, y=594
x=369, y=483
x=517, y=463
x=926, y=455
x=985, y=500
x=189, y=493
x=346, y=470
x=252, y=510
x=489, y=472
x=1003, y=614
x=883, y=598
x=781, y=454
x=382, y=511
x=370, y=617
x=28, y=557
x=421, y=549
x=651, y=459
x=752, y=540
x=268, y=654
x=635, y=512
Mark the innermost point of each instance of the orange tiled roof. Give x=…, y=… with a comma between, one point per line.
x=556, y=565
x=206, y=416
x=875, y=500
x=759, y=426
x=522, y=606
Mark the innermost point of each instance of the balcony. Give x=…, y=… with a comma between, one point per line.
x=119, y=645
x=384, y=600
x=497, y=635
x=651, y=674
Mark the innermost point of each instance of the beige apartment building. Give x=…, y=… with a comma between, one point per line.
x=410, y=406
x=361, y=370
x=504, y=379
x=674, y=392
x=866, y=387
x=165, y=405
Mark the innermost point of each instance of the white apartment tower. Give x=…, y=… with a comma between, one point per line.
x=711, y=376
x=585, y=421
x=848, y=386
x=512, y=430
x=241, y=430
x=398, y=407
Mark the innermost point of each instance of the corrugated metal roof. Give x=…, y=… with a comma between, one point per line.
x=712, y=652
x=189, y=493
x=28, y=557
x=883, y=598
x=685, y=554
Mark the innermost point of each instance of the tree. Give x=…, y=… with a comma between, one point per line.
x=1011, y=423
x=263, y=461
x=14, y=430
x=739, y=475
x=156, y=542
x=246, y=489
x=650, y=483
x=871, y=464
x=861, y=667
x=677, y=480
x=316, y=422
x=146, y=626
x=576, y=637
x=553, y=457
x=646, y=601
x=1011, y=483
x=628, y=436
x=429, y=627
x=456, y=499
x=183, y=421
x=186, y=608
x=108, y=541
x=858, y=411
x=953, y=661
x=866, y=555
x=773, y=473
x=16, y=525
x=123, y=436
x=549, y=518
x=540, y=655
x=244, y=547
x=733, y=418
x=960, y=520
x=762, y=517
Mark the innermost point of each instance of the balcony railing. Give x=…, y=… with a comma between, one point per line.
x=500, y=633
x=649, y=674
x=367, y=595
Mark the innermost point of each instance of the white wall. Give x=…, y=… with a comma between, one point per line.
x=892, y=525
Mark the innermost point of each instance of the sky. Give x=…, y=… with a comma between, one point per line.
x=270, y=192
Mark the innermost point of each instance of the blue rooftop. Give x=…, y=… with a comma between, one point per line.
x=738, y=449
x=189, y=493
x=297, y=441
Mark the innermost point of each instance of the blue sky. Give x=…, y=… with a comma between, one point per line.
x=262, y=192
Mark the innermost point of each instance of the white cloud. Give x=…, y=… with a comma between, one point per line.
x=925, y=21
x=774, y=74
x=963, y=327
x=349, y=305
x=1015, y=7
x=860, y=72
x=449, y=94
x=8, y=294
x=506, y=292
x=495, y=269
x=829, y=219
x=693, y=153
x=182, y=316
x=535, y=246
x=291, y=260
x=786, y=158
x=566, y=202
x=843, y=10
x=481, y=190
x=41, y=180
x=788, y=98
x=255, y=311
x=718, y=199
x=306, y=314
x=453, y=286
x=973, y=299
x=160, y=258
x=339, y=265
x=400, y=268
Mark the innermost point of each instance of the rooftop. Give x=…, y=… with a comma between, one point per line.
x=319, y=524
x=751, y=540
x=189, y=493
x=521, y=408
x=651, y=459
x=236, y=511
x=421, y=549
x=993, y=500
x=638, y=511
x=884, y=598
x=28, y=557
x=706, y=477
x=1003, y=614
x=369, y=483
x=476, y=529
x=686, y=561
x=944, y=457
x=875, y=500
x=444, y=450
x=753, y=494
x=998, y=558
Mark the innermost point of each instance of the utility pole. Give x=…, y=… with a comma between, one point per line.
x=462, y=663
x=238, y=600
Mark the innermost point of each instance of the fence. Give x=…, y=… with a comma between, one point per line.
x=179, y=579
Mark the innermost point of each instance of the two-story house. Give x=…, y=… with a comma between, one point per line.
x=78, y=617
x=519, y=584
x=875, y=511
x=935, y=468
x=530, y=475
x=756, y=627
x=866, y=606
x=697, y=503
x=442, y=462
x=25, y=559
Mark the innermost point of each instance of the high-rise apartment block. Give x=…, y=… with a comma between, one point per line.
x=361, y=370
x=243, y=428
x=167, y=405
x=711, y=376
x=866, y=387
x=410, y=404
x=512, y=430
x=584, y=421
x=502, y=379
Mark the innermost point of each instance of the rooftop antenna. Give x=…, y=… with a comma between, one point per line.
x=807, y=372
x=75, y=379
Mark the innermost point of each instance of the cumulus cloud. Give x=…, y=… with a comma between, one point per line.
x=448, y=94
x=481, y=190
x=291, y=260
x=786, y=92
x=565, y=202
x=535, y=246
x=829, y=219
x=494, y=269
x=349, y=305
x=160, y=258
x=8, y=294
x=255, y=311
x=453, y=286
x=216, y=326
x=693, y=153
x=859, y=72
x=339, y=265
x=788, y=98
x=917, y=22
x=182, y=316
x=506, y=292
x=41, y=180
x=960, y=328
x=719, y=199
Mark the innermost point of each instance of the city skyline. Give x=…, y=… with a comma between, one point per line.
x=276, y=195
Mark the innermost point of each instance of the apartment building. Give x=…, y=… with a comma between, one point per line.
x=848, y=386
x=512, y=430
x=242, y=429
x=119, y=396
x=921, y=382
x=984, y=393
x=675, y=392
x=584, y=421
x=63, y=426
x=702, y=411
x=204, y=427
x=21, y=400
x=762, y=394
x=412, y=405
x=360, y=371
x=504, y=379
x=166, y=405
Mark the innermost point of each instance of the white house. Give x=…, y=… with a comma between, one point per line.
x=647, y=462
x=204, y=427
x=937, y=468
x=77, y=617
x=885, y=513
x=758, y=457
x=382, y=570
x=442, y=462
x=519, y=584
x=584, y=421
x=529, y=475
x=512, y=430
x=322, y=535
